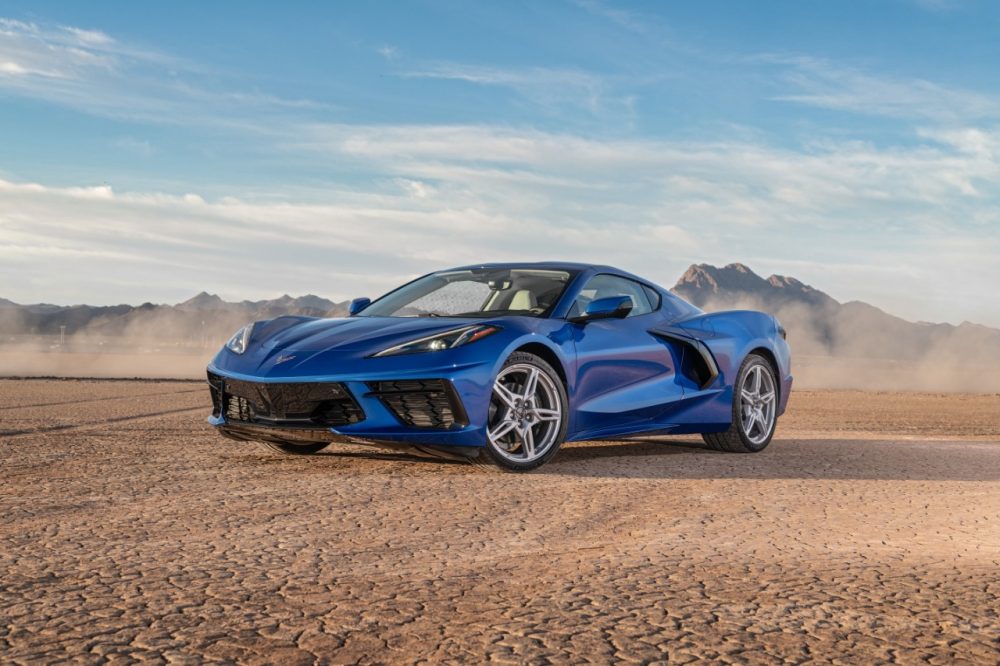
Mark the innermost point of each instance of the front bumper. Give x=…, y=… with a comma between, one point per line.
x=418, y=408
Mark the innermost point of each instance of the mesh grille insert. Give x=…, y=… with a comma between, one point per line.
x=303, y=405
x=421, y=403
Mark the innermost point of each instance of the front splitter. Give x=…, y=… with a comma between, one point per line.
x=261, y=433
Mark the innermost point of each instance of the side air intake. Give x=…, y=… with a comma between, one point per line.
x=697, y=362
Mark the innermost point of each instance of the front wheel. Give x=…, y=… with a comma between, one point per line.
x=527, y=414
x=755, y=409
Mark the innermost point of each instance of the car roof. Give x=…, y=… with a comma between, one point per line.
x=556, y=266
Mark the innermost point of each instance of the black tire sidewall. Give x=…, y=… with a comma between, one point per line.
x=491, y=451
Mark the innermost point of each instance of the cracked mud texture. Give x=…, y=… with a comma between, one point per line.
x=867, y=532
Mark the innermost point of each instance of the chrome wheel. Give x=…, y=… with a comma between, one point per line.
x=526, y=413
x=757, y=404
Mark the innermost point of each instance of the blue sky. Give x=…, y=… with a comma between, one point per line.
x=152, y=150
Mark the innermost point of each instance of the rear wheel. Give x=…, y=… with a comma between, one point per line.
x=755, y=409
x=527, y=414
x=295, y=449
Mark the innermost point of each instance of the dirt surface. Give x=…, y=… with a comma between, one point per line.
x=867, y=532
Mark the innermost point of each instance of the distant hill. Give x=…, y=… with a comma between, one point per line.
x=818, y=324
x=702, y=283
x=204, y=317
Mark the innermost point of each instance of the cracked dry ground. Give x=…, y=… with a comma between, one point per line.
x=867, y=532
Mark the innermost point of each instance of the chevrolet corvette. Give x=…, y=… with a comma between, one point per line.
x=503, y=363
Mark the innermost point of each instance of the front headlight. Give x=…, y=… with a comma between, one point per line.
x=441, y=341
x=239, y=342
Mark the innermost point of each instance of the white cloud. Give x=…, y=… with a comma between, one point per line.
x=546, y=86
x=388, y=51
x=91, y=71
x=442, y=196
x=140, y=147
x=824, y=84
x=860, y=220
x=92, y=37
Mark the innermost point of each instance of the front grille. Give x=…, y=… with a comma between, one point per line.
x=301, y=405
x=422, y=403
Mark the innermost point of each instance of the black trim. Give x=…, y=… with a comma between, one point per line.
x=256, y=432
x=215, y=383
x=305, y=405
x=655, y=292
x=422, y=403
x=703, y=369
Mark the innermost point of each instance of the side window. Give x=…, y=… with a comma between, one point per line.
x=675, y=308
x=603, y=286
x=653, y=296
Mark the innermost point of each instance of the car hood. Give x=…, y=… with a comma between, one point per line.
x=354, y=334
x=294, y=347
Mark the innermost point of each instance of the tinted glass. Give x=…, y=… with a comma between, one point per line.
x=603, y=286
x=486, y=292
x=653, y=296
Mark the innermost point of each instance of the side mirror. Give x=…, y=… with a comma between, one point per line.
x=611, y=307
x=357, y=305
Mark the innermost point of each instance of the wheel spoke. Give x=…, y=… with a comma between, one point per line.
x=747, y=395
x=505, y=394
x=530, y=384
x=756, y=380
x=543, y=414
x=767, y=397
x=528, y=439
x=502, y=429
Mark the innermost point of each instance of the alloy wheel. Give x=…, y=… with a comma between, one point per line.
x=525, y=413
x=757, y=404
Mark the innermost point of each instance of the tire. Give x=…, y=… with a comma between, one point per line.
x=303, y=449
x=524, y=431
x=751, y=402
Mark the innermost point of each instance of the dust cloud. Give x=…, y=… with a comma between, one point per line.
x=153, y=344
x=858, y=346
x=849, y=346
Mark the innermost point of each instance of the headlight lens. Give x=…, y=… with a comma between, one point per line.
x=239, y=342
x=441, y=341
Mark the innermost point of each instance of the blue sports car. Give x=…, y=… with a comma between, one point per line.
x=503, y=363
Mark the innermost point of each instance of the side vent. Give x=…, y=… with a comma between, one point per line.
x=697, y=363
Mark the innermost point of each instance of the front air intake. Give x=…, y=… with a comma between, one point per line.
x=301, y=405
x=422, y=403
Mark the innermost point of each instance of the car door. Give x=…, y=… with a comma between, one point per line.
x=626, y=379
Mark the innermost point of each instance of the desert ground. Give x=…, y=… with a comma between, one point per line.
x=867, y=532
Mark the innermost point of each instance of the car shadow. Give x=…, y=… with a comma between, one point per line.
x=854, y=459
x=871, y=459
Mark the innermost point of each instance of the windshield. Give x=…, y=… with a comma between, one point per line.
x=480, y=292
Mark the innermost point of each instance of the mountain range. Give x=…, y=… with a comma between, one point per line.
x=204, y=318
x=817, y=324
